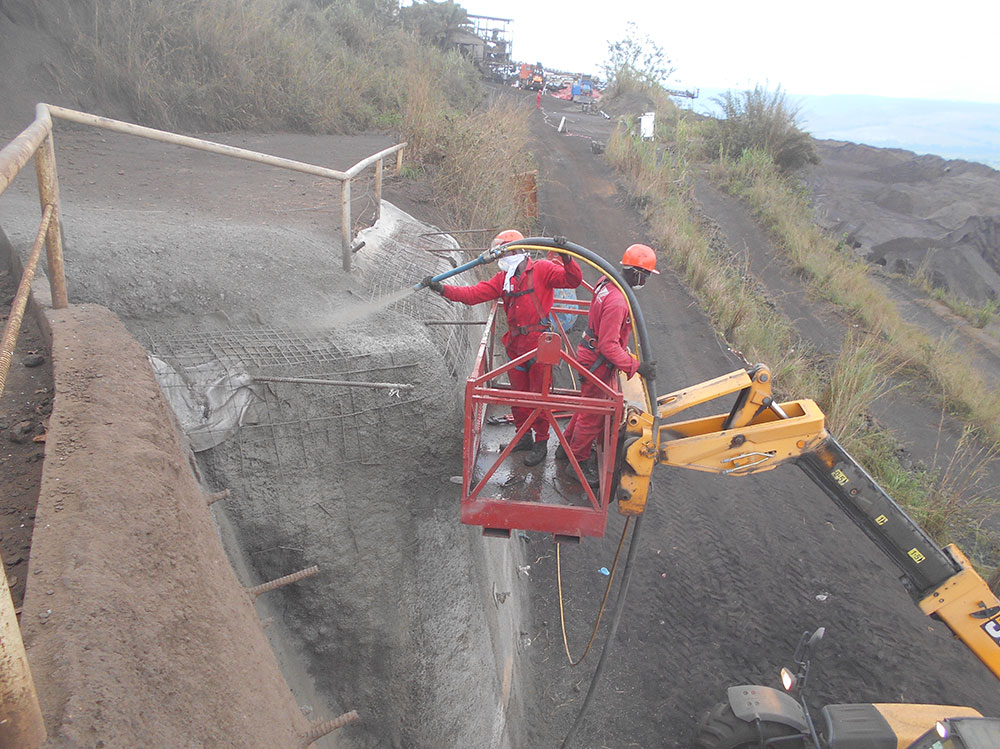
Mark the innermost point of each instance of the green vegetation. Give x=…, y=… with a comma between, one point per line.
x=315, y=66
x=635, y=61
x=660, y=179
x=762, y=121
x=841, y=277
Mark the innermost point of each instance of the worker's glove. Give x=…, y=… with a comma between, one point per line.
x=647, y=370
x=436, y=286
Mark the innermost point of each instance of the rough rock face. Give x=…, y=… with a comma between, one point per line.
x=913, y=214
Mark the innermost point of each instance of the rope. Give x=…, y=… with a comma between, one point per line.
x=604, y=601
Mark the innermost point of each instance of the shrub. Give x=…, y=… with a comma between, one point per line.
x=763, y=120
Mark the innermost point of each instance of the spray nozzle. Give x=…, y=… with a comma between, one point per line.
x=495, y=253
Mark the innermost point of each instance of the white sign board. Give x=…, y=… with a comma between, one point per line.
x=646, y=125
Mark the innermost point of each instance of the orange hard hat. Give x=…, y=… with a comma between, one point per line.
x=507, y=235
x=640, y=256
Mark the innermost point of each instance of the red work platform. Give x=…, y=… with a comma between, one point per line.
x=499, y=492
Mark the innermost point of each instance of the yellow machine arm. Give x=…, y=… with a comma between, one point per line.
x=759, y=434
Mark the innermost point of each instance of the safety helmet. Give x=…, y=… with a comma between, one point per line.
x=640, y=256
x=507, y=235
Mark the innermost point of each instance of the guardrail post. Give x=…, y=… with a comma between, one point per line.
x=48, y=193
x=378, y=190
x=21, y=722
x=346, y=229
x=399, y=161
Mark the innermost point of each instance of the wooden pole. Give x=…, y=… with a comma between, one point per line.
x=378, y=190
x=48, y=194
x=21, y=722
x=346, y=233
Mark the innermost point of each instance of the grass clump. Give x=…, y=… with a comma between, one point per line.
x=736, y=304
x=760, y=120
x=324, y=67
x=836, y=274
x=314, y=66
x=867, y=364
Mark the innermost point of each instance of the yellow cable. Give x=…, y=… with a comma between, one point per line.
x=604, y=601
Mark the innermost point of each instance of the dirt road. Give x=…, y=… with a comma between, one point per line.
x=729, y=571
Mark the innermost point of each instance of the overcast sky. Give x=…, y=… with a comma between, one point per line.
x=944, y=50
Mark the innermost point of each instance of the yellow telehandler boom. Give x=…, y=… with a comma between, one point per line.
x=759, y=434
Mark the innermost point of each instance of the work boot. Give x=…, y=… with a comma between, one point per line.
x=537, y=454
x=588, y=468
x=525, y=443
x=561, y=453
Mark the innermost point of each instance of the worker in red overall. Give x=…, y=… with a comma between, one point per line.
x=604, y=351
x=526, y=288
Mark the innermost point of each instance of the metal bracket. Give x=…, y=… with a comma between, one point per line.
x=764, y=457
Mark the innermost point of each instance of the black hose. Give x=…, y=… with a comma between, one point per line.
x=644, y=351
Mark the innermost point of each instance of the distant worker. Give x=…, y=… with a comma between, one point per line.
x=538, y=99
x=604, y=351
x=526, y=288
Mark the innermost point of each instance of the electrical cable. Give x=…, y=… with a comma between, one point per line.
x=642, y=349
x=604, y=601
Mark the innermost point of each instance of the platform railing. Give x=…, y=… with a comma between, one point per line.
x=485, y=388
x=21, y=723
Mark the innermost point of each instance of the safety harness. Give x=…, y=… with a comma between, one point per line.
x=590, y=339
x=542, y=324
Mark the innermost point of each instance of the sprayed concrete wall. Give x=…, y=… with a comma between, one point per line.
x=403, y=623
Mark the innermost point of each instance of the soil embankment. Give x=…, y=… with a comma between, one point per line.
x=136, y=628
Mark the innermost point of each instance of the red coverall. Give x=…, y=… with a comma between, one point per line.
x=527, y=304
x=609, y=327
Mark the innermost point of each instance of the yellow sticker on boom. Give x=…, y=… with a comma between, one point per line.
x=915, y=555
x=840, y=477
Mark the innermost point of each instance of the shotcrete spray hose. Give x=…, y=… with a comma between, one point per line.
x=564, y=247
x=643, y=349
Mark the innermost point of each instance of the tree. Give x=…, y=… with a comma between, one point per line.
x=434, y=21
x=636, y=58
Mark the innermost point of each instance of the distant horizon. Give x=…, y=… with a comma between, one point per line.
x=950, y=129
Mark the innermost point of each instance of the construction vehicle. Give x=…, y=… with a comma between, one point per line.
x=755, y=716
x=524, y=75
x=641, y=431
x=537, y=82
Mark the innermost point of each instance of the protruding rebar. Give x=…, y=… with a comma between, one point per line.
x=218, y=496
x=344, y=383
x=282, y=581
x=454, y=322
x=319, y=730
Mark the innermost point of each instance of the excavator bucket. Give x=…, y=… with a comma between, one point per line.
x=499, y=492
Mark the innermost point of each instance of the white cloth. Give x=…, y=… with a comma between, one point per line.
x=509, y=265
